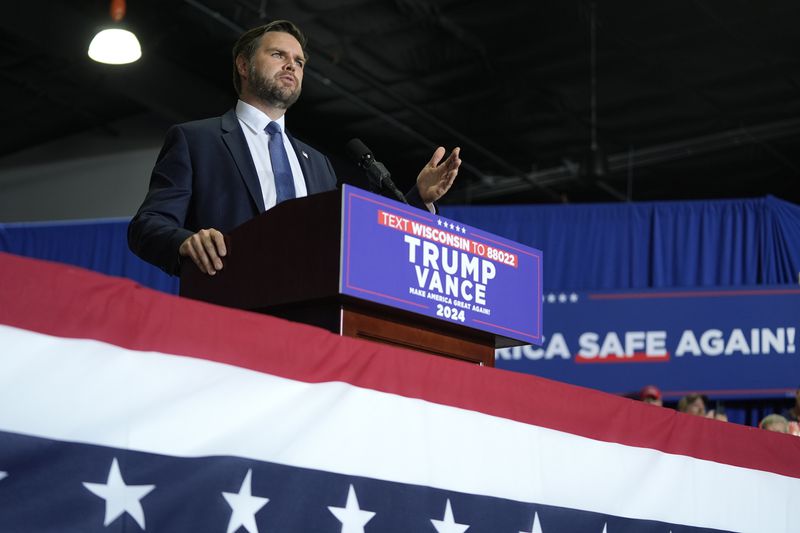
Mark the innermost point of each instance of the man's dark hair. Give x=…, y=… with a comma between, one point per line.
x=249, y=41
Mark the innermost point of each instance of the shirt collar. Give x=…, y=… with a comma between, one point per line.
x=254, y=118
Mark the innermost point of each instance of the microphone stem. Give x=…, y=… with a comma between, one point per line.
x=389, y=184
x=378, y=173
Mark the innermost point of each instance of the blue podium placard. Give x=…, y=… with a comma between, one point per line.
x=726, y=343
x=410, y=259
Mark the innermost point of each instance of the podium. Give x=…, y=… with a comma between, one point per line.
x=331, y=261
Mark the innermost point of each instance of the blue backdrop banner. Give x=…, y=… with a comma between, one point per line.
x=99, y=245
x=724, y=343
x=712, y=243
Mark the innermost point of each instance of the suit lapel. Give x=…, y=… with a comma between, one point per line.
x=312, y=183
x=233, y=137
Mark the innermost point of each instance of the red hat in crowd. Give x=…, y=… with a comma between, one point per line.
x=650, y=391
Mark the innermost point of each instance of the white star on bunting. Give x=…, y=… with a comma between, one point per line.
x=536, y=527
x=3, y=475
x=120, y=498
x=244, y=506
x=448, y=523
x=353, y=519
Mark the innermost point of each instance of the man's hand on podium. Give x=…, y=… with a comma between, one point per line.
x=206, y=248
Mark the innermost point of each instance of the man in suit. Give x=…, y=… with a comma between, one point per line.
x=212, y=175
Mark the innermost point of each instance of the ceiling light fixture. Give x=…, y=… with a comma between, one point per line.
x=115, y=46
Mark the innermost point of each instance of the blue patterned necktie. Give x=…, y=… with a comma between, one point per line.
x=284, y=182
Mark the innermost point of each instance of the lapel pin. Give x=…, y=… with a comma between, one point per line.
x=304, y=154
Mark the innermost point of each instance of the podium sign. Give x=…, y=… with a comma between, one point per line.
x=406, y=258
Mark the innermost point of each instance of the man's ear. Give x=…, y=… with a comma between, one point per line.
x=241, y=66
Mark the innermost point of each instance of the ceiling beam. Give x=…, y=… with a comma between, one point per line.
x=498, y=186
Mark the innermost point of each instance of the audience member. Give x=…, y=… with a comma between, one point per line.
x=693, y=404
x=718, y=412
x=775, y=423
x=792, y=414
x=652, y=395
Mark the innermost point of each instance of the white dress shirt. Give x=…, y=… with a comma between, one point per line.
x=253, y=122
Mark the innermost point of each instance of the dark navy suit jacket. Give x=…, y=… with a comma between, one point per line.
x=205, y=178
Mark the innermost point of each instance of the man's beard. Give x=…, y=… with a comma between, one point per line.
x=270, y=90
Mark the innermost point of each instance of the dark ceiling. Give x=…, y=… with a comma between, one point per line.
x=694, y=98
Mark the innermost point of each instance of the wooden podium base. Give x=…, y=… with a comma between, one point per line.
x=417, y=337
x=397, y=328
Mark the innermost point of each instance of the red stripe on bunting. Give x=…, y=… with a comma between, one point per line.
x=71, y=302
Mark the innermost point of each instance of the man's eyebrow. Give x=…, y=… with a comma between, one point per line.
x=282, y=51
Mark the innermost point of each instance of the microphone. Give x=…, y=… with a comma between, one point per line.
x=377, y=173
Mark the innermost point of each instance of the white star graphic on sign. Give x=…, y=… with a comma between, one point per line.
x=439, y=222
x=551, y=298
x=562, y=298
x=574, y=298
x=353, y=519
x=3, y=475
x=244, y=506
x=536, y=527
x=448, y=523
x=120, y=498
